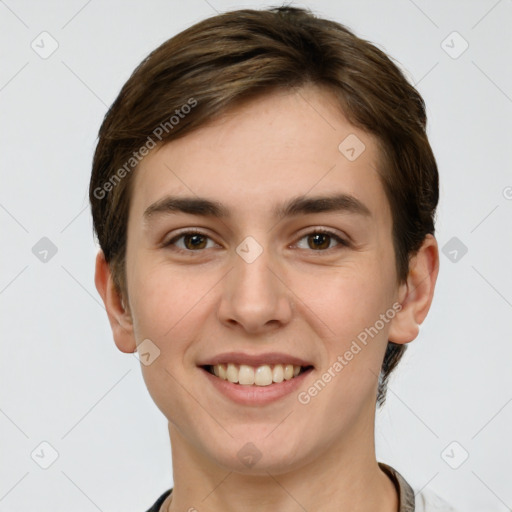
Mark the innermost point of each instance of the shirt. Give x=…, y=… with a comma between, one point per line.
x=408, y=500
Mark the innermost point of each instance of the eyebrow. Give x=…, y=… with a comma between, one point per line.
x=298, y=205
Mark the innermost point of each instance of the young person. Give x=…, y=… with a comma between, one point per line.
x=264, y=192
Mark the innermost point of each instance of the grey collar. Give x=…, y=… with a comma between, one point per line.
x=406, y=496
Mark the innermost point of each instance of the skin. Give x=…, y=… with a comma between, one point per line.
x=304, y=301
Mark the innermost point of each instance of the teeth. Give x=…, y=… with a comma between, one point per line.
x=246, y=375
x=222, y=371
x=232, y=373
x=278, y=373
x=263, y=375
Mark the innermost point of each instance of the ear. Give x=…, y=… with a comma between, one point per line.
x=416, y=293
x=119, y=316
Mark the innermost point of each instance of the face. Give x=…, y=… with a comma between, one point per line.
x=256, y=242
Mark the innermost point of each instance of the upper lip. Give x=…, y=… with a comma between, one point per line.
x=254, y=359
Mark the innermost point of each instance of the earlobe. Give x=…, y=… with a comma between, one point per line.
x=118, y=314
x=416, y=294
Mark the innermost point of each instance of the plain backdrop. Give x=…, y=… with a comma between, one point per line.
x=447, y=422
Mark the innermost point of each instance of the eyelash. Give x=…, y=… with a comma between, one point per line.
x=334, y=236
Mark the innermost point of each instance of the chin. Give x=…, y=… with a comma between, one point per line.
x=260, y=455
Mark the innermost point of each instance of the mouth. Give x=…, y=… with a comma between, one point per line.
x=255, y=379
x=257, y=376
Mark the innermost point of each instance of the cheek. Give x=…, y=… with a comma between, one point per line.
x=349, y=313
x=347, y=306
x=165, y=299
x=159, y=293
x=168, y=309
x=345, y=300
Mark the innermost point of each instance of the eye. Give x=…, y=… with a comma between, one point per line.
x=190, y=241
x=196, y=241
x=321, y=240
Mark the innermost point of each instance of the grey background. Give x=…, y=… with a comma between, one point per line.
x=63, y=380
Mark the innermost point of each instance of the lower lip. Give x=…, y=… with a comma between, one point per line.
x=256, y=395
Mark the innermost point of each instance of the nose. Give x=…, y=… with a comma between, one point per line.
x=255, y=297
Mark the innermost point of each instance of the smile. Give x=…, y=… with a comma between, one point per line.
x=262, y=375
x=255, y=379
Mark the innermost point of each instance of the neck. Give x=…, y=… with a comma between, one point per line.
x=345, y=477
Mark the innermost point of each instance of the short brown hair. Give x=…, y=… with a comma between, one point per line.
x=237, y=55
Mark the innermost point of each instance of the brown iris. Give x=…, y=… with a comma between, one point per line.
x=194, y=241
x=319, y=241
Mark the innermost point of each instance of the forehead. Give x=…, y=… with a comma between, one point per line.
x=259, y=154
